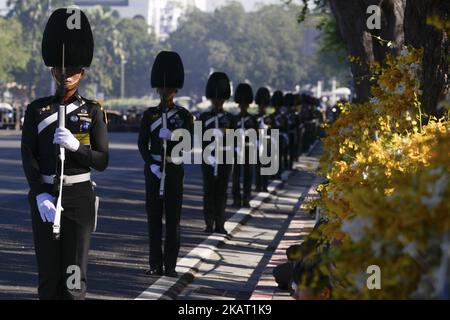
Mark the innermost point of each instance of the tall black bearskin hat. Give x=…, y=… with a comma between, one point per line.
x=263, y=97
x=218, y=86
x=68, y=26
x=277, y=99
x=289, y=100
x=297, y=99
x=243, y=94
x=168, y=71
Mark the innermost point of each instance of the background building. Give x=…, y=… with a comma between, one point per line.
x=3, y=8
x=161, y=15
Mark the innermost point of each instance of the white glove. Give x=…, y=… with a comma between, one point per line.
x=212, y=161
x=166, y=134
x=217, y=133
x=156, y=170
x=46, y=207
x=66, y=139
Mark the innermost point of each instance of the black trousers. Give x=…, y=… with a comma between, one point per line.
x=63, y=264
x=215, y=190
x=247, y=171
x=261, y=181
x=170, y=206
x=309, y=136
x=293, y=149
x=284, y=155
x=300, y=141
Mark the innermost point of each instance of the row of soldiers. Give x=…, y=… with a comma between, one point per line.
x=78, y=126
x=295, y=126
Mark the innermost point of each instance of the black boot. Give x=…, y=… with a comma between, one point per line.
x=154, y=272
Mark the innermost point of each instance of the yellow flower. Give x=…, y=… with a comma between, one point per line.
x=386, y=167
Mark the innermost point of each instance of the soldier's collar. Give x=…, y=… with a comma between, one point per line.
x=215, y=112
x=173, y=106
x=76, y=96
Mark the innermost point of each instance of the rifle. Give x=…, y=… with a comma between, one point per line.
x=243, y=140
x=62, y=153
x=216, y=165
x=162, y=187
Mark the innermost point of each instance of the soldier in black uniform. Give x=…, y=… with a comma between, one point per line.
x=293, y=128
x=301, y=124
x=216, y=175
x=244, y=121
x=86, y=143
x=262, y=99
x=167, y=78
x=309, y=113
x=278, y=121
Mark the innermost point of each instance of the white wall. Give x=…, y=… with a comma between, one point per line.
x=3, y=10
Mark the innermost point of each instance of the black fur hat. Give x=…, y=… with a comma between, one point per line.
x=297, y=99
x=243, y=94
x=218, y=86
x=277, y=99
x=168, y=71
x=289, y=100
x=78, y=42
x=263, y=97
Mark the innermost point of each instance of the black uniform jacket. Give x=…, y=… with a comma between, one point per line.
x=226, y=122
x=149, y=143
x=87, y=122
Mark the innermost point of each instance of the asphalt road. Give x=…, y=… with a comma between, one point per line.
x=119, y=249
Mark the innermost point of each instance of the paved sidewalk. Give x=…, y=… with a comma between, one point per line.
x=300, y=226
x=237, y=267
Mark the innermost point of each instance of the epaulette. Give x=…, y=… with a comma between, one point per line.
x=41, y=102
x=95, y=102
x=98, y=104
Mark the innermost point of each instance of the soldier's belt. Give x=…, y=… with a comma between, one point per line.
x=68, y=180
x=158, y=158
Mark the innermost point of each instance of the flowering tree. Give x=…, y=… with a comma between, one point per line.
x=385, y=202
x=410, y=22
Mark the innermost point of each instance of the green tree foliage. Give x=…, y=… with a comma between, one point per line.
x=262, y=47
x=331, y=58
x=267, y=47
x=139, y=49
x=33, y=15
x=13, y=55
x=106, y=64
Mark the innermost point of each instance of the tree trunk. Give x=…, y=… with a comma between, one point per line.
x=351, y=17
x=435, y=82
